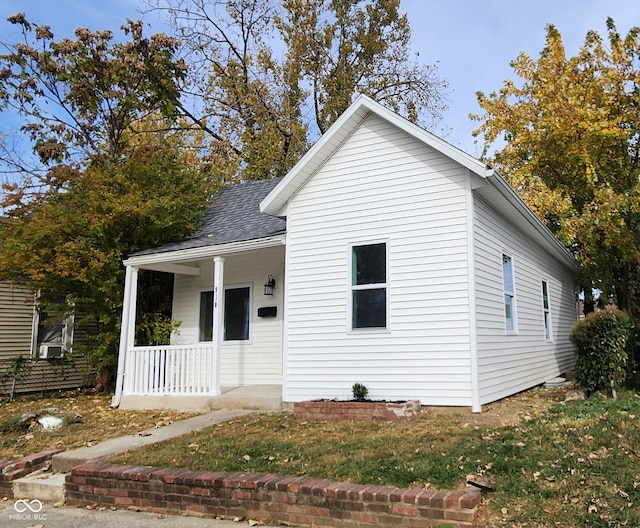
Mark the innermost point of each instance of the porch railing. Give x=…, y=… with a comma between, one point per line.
x=169, y=369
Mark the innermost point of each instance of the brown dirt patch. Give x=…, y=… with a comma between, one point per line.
x=99, y=422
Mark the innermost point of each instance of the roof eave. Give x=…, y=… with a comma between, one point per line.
x=514, y=199
x=200, y=253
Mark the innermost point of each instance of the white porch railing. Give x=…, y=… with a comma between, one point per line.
x=169, y=369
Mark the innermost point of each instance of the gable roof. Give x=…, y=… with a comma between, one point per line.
x=339, y=131
x=489, y=184
x=233, y=216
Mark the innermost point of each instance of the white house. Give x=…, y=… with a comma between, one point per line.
x=399, y=262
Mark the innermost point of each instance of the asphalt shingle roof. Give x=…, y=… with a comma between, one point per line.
x=233, y=216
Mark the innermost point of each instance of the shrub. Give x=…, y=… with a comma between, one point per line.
x=600, y=341
x=359, y=392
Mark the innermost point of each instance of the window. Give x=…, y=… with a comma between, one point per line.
x=206, y=316
x=548, y=332
x=509, y=294
x=369, y=286
x=53, y=329
x=236, y=314
x=236, y=317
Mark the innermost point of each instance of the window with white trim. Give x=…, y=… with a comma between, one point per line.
x=548, y=328
x=236, y=316
x=509, y=294
x=369, y=285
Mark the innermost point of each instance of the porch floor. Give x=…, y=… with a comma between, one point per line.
x=254, y=397
x=250, y=397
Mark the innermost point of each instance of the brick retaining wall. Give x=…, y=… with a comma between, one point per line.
x=11, y=470
x=334, y=410
x=269, y=497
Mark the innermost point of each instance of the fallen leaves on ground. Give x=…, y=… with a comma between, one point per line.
x=99, y=422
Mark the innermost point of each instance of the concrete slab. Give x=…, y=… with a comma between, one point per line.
x=253, y=397
x=63, y=462
x=44, y=486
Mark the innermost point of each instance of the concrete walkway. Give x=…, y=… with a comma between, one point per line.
x=63, y=462
x=48, y=486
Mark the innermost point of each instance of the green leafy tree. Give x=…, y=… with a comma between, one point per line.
x=270, y=76
x=72, y=243
x=108, y=176
x=78, y=98
x=572, y=151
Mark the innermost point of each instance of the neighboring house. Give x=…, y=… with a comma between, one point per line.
x=42, y=339
x=404, y=264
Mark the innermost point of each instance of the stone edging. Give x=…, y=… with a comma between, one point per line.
x=269, y=497
x=11, y=470
x=373, y=411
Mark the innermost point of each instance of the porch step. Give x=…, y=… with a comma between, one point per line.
x=41, y=485
x=252, y=397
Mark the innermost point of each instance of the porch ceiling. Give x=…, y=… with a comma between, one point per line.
x=184, y=261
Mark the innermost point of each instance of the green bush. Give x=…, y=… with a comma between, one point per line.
x=359, y=391
x=600, y=340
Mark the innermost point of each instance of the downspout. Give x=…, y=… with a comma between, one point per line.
x=473, y=338
x=127, y=328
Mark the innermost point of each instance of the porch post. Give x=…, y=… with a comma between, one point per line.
x=218, y=292
x=127, y=327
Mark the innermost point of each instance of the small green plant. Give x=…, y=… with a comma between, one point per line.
x=359, y=391
x=600, y=341
x=157, y=329
x=17, y=370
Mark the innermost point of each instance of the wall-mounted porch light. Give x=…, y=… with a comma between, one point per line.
x=269, y=285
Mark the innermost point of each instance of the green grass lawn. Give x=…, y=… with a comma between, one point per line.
x=574, y=465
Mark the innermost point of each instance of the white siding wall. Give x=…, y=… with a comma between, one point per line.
x=259, y=361
x=511, y=363
x=380, y=185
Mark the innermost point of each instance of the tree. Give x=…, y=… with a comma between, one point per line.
x=572, y=151
x=346, y=47
x=72, y=243
x=270, y=76
x=109, y=177
x=79, y=97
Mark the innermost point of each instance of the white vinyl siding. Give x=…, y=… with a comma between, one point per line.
x=380, y=184
x=254, y=362
x=511, y=363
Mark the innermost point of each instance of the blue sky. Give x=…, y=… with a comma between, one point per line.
x=472, y=41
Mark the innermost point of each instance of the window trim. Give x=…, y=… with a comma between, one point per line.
x=199, y=329
x=361, y=287
x=66, y=334
x=249, y=312
x=511, y=294
x=546, y=312
x=223, y=307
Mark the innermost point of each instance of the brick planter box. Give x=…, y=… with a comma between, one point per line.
x=275, y=499
x=372, y=411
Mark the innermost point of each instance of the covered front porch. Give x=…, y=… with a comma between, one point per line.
x=227, y=352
